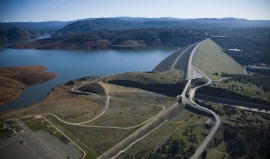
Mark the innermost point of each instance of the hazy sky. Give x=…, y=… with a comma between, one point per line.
x=64, y=10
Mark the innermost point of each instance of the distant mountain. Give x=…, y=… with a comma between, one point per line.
x=36, y=26
x=15, y=35
x=15, y=32
x=95, y=24
x=118, y=39
x=61, y=28
x=120, y=23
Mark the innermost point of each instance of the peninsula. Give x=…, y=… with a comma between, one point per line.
x=13, y=80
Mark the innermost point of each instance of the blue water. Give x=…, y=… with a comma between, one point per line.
x=74, y=64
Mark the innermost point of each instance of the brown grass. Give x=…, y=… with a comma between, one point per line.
x=28, y=75
x=13, y=80
x=10, y=89
x=64, y=104
x=14, y=69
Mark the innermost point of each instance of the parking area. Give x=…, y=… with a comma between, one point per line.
x=40, y=144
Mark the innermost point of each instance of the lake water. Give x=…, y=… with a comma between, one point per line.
x=74, y=64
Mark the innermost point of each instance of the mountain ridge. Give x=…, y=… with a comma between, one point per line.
x=119, y=23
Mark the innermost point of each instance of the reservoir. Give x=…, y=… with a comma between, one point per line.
x=74, y=64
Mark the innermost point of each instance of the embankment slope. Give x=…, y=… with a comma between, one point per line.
x=210, y=59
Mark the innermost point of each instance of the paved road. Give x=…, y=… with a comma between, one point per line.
x=245, y=70
x=193, y=73
x=206, y=141
x=35, y=145
x=176, y=60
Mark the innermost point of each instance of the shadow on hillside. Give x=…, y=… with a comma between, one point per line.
x=171, y=90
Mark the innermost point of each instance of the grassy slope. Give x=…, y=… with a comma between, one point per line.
x=245, y=89
x=209, y=58
x=170, y=76
x=172, y=129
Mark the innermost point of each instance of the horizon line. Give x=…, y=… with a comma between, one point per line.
x=131, y=17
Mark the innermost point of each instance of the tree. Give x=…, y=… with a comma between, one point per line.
x=204, y=154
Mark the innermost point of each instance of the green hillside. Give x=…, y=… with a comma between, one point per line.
x=209, y=58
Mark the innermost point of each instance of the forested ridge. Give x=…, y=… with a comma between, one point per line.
x=134, y=34
x=121, y=23
x=254, y=44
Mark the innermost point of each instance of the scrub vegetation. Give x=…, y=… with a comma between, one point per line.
x=244, y=133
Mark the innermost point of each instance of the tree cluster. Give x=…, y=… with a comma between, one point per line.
x=231, y=95
x=173, y=149
x=174, y=36
x=254, y=43
x=257, y=80
x=248, y=141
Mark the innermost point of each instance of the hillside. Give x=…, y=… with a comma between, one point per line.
x=210, y=59
x=96, y=24
x=105, y=39
x=15, y=32
x=15, y=35
x=59, y=28
x=253, y=45
x=36, y=26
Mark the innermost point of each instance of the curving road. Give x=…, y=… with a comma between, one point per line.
x=176, y=60
x=193, y=73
